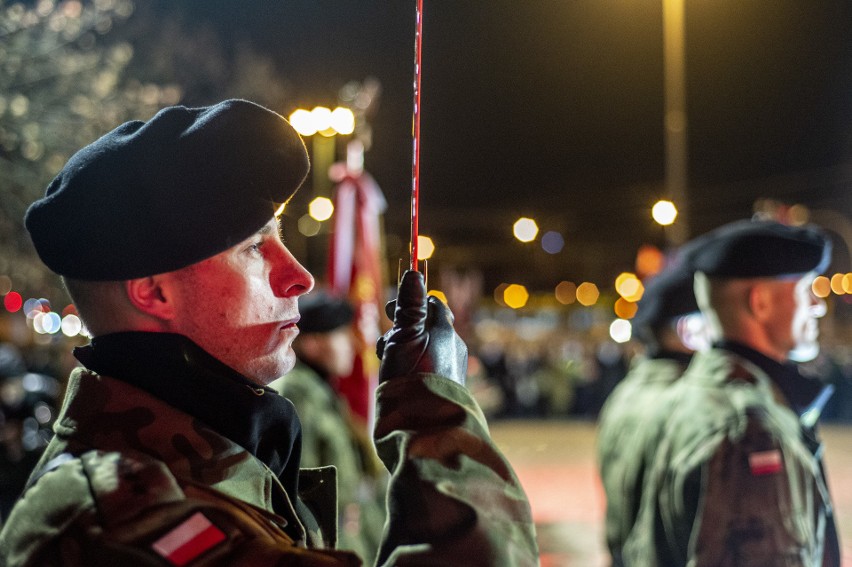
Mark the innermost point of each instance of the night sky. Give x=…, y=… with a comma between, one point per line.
x=554, y=109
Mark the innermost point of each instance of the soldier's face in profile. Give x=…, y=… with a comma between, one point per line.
x=241, y=306
x=796, y=327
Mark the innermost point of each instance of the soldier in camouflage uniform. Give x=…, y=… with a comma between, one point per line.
x=170, y=449
x=738, y=477
x=325, y=350
x=631, y=419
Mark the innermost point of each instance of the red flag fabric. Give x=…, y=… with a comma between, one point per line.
x=355, y=271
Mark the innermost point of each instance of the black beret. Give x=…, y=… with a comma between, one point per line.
x=322, y=313
x=756, y=249
x=157, y=196
x=667, y=295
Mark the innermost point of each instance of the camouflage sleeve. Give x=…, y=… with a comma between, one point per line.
x=453, y=497
x=759, y=503
x=104, y=509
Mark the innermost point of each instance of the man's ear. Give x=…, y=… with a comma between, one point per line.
x=760, y=301
x=150, y=296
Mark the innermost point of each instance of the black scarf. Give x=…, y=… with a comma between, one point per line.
x=177, y=371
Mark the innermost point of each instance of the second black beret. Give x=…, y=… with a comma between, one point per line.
x=754, y=249
x=153, y=197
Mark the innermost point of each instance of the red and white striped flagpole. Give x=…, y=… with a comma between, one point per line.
x=415, y=168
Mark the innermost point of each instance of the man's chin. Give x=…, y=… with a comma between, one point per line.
x=805, y=352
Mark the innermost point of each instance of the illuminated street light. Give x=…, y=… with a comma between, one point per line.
x=664, y=212
x=525, y=229
x=321, y=119
x=321, y=209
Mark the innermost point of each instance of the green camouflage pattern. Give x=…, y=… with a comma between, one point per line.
x=629, y=430
x=453, y=498
x=705, y=503
x=145, y=467
x=331, y=437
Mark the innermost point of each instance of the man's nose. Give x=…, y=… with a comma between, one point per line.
x=289, y=277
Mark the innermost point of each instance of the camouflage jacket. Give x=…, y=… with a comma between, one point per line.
x=331, y=437
x=152, y=486
x=629, y=429
x=737, y=479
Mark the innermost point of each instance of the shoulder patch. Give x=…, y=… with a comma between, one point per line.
x=189, y=539
x=764, y=463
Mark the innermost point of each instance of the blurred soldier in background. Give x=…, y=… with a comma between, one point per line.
x=325, y=350
x=632, y=417
x=738, y=478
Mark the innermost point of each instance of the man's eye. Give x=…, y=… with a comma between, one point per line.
x=255, y=248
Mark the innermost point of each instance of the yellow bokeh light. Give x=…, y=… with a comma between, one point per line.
x=516, y=296
x=846, y=283
x=664, y=212
x=629, y=286
x=302, y=121
x=343, y=120
x=525, y=229
x=321, y=209
x=425, y=247
x=821, y=287
x=587, y=293
x=439, y=294
x=625, y=309
x=837, y=284
x=566, y=293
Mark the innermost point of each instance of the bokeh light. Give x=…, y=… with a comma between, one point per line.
x=425, y=247
x=821, y=287
x=343, y=120
x=498, y=294
x=5, y=285
x=321, y=209
x=13, y=301
x=525, y=229
x=625, y=309
x=629, y=286
x=587, y=294
x=552, y=242
x=846, y=283
x=837, y=284
x=308, y=226
x=71, y=325
x=649, y=260
x=439, y=294
x=664, y=212
x=620, y=330
x=566, y=292
x=516, y=296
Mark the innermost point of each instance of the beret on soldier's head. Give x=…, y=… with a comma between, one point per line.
x=322, y=313
x=667, y=295
x=156, y=196
x=757, y=249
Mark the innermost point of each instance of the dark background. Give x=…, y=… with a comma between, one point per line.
x=554, y=109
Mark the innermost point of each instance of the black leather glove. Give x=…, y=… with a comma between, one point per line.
x=422, y=338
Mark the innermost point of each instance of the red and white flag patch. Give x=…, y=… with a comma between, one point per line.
x=766, y=462
x=191, y=538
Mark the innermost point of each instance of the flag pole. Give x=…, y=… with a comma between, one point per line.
x=415, y=168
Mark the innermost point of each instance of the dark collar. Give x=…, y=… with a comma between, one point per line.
x=177, y=371
x=799, y=390
x=682, y=357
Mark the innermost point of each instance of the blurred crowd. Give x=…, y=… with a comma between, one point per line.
x=547, y=367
